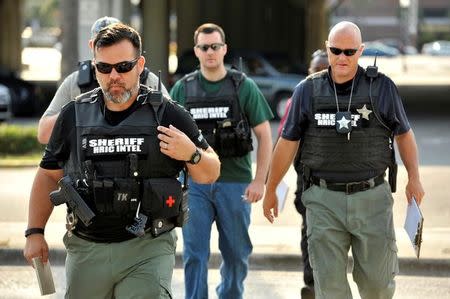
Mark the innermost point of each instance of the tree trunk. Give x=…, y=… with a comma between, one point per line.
x=69, y=22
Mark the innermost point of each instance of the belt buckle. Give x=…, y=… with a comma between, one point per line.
x=349, y=187
x=354, y=187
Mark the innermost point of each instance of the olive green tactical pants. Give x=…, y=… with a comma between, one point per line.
x=137, y=268
x=361, y=221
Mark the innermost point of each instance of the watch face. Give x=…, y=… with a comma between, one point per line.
x=195, y=157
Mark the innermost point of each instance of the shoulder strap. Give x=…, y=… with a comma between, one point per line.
x=237, y=77
x=144, y=75
x=191, y=76
x=156, y=99
x=89, y=96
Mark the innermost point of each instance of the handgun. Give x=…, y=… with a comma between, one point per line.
x=67, y=194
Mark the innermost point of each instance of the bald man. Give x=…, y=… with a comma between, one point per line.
x=347, y=118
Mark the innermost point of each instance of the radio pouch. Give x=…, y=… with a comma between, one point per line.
x=103, y=191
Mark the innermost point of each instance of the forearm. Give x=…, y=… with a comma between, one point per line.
x=263, y=154
x=282, y=157
x=40, y=206
x=45, y=128
x=409, y=154
x=207, y=170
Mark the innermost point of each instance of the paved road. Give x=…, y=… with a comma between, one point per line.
x=20, y=283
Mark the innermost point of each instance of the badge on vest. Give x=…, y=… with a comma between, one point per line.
x=343, y=122
x=364, y=112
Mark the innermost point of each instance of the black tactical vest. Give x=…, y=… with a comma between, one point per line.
x=219, y=116
x=87, y=80
x=325, y=150
x=117, y=167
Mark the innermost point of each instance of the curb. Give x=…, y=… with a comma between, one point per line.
x=259, y=261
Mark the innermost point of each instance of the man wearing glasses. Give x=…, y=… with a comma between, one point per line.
x=225, y=104
x=81, y=81
x=347, y=119
x=120, y=152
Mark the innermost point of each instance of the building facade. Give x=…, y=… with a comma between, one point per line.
x=411, y=22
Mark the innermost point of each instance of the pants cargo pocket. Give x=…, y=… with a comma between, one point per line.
x=393, y=261
x=166, y=291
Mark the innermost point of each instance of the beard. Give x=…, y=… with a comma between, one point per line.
x=119, y=98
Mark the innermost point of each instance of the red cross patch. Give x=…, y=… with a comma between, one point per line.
x=170, y=201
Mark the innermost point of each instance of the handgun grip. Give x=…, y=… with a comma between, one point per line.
x=56, y=197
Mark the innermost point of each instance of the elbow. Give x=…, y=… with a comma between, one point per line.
x=43, y=133
x=209, y=176
x=213, y=176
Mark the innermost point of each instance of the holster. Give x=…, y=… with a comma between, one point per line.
x=393, y=177
x=306, y=176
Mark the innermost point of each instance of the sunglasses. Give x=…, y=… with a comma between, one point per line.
x=215, y=46
x=121, y=67
x=347, y=52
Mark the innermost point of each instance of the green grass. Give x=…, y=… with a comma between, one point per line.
x=19, y=146
x=27, y=160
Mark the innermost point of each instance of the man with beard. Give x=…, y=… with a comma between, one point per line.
x=119, y=148
x=81, y=81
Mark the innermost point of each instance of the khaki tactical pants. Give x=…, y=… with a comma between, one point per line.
x=361, y=221
x=137, y=268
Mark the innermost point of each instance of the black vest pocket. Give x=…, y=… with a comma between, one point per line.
x=161, y=198
x=233, y=141
x=103, y=192
x=117, y=197
x=126, y=197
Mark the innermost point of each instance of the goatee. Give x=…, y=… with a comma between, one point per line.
x=123, y=97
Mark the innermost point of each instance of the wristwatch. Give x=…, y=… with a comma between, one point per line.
x=196, y=157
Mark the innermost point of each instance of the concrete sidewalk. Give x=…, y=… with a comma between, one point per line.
x=275, y=246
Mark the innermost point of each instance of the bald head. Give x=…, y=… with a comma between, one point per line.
x=345, y=29
x=344, y=47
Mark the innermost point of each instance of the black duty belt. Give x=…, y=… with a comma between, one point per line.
x=351, y=187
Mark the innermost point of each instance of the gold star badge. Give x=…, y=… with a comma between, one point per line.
x=364, y=112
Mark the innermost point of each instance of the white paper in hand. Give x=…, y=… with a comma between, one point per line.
x=44, y=276
x=282, y=192
x=413, y=225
